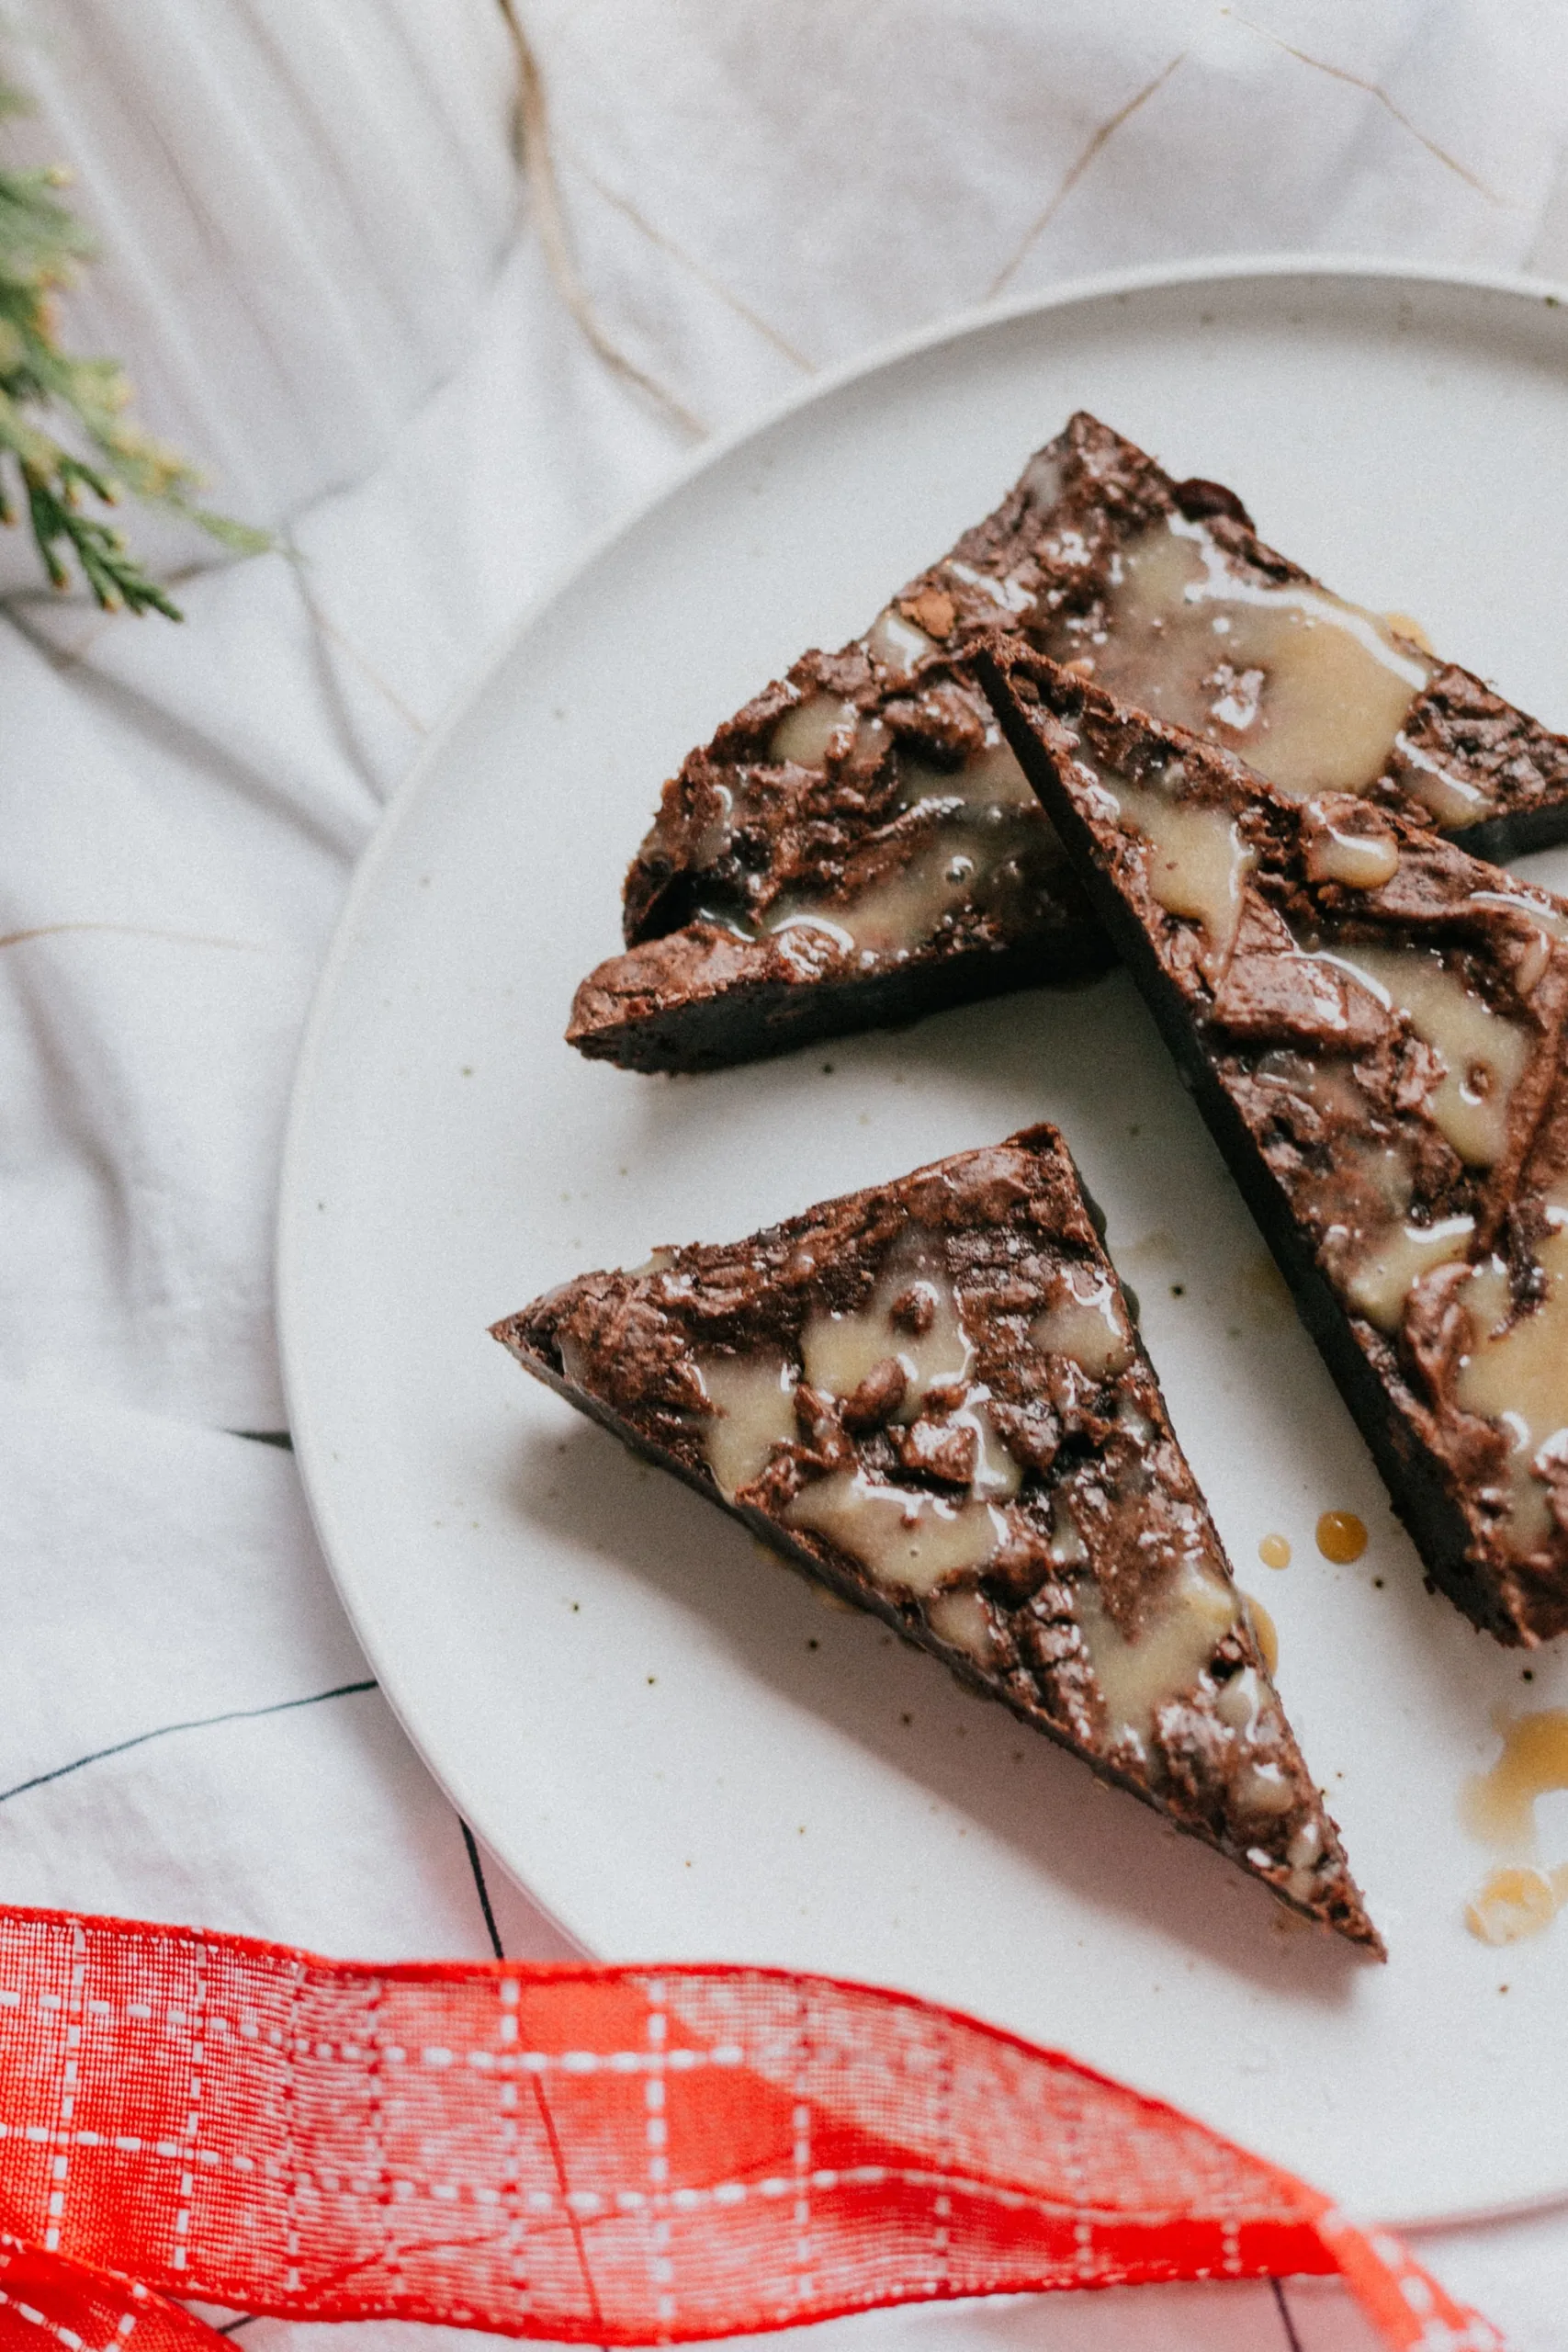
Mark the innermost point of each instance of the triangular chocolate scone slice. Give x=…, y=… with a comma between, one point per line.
x=856, y=846
x=1372, y=1021
x=931, y=1396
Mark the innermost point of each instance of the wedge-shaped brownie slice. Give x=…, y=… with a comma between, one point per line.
x=931, y=1396
x=857, y=846
x=1372, y=1021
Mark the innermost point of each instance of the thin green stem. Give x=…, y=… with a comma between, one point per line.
x=47, y=393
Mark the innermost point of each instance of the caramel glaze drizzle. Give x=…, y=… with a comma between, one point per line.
x=1498, y=1807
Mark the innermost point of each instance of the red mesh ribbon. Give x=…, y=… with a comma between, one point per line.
x=602, y=2155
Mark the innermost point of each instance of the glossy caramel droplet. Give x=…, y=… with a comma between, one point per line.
x=1498, y=1806
x=1264, y=1631
x=1341, y=1536
x=1274, y=1552
x=1515, y=1903
x=1404, y=626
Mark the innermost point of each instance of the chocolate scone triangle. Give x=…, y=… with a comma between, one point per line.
x=931, y=1396
x=857, y=846
x=1372, y=1021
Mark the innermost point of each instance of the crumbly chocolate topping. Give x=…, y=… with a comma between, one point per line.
x=1373, y=1022
x=850, y=848
x=857, y=844
x=930, y=1395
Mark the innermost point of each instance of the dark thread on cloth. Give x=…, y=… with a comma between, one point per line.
x=1291, y=2338
x=478, y=1869
x=197, y=1723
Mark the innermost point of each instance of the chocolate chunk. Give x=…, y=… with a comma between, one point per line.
x=878, y=1397
x=914, y=1309
x=821, y=1421
x=939, y=1450
x=1021, y=1565
x=1034, y=1435
x=1200, y=501
x=1291, y=998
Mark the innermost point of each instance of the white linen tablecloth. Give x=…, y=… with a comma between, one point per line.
x=326, y=267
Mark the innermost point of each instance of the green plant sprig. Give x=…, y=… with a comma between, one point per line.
x=43, y=248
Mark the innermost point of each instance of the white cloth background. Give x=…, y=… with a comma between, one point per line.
x=322, y=266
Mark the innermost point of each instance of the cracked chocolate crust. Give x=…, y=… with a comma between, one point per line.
x=767, y=906
x=745, y=837
x=1099, y=1533
x=1322, y=1097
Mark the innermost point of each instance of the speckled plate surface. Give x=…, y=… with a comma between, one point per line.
x=663, y=1733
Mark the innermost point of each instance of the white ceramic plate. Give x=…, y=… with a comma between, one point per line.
x=669, y=1739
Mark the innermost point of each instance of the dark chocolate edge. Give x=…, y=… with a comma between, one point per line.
x=850, y=1586
x=1438, y=1529
x=759, y=1019
x=1496, y=839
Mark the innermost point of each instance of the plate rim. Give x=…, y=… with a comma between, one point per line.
x=291, y=1222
